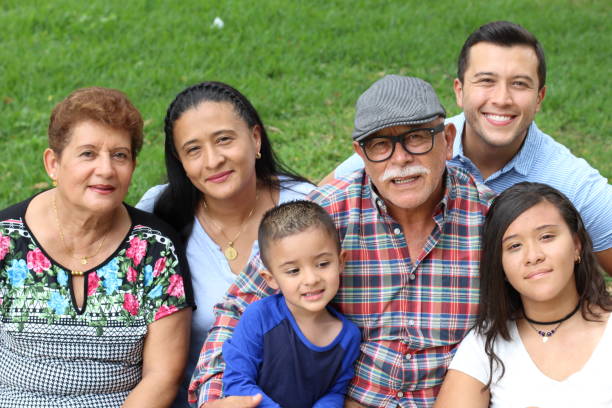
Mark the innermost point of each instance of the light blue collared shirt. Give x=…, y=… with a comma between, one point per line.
x=542, y=160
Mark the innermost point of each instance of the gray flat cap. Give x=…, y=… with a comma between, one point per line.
x=395, y=100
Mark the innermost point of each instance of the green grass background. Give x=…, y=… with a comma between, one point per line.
x=302, y=63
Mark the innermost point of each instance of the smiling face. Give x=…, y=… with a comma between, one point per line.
x=407, y=181
x=217, y=149
x=499, y=94
x=538, y=255
x=95, y=167
x=306, y=268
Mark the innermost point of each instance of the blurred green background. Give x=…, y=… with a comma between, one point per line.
x=302, y=64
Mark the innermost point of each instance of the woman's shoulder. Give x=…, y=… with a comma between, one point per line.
x=148, y=200
x=15, y=211
x=143, y=219
x=291, y=189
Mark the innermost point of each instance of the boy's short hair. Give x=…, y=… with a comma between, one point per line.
x=291, y=218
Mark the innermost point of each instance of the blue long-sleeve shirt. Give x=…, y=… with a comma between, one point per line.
x=268, y=354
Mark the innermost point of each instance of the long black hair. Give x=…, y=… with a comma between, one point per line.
x=179, y=200
x=499, y=301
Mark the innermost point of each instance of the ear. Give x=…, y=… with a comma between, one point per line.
x=577, y=246
x=257, y=137
x=342, y=259
x=269, y=278
x=359, y=151
x=51, y=161
x=541, y=95
x=449, y=135
x=458, y=87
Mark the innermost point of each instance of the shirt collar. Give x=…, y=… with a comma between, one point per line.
x=521, y=162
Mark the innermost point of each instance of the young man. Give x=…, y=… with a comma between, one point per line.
x=500, y=85
x=293, y=348
x=410, y=227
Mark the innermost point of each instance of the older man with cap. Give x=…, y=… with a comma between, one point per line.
x=410, y=227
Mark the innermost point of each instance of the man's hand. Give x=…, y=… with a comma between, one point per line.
x=351, y=403
x=234, y=402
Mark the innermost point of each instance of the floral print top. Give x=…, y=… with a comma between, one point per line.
x=56, y=355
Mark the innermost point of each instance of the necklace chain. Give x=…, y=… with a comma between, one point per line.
x=545, y=334
x=230, y=252
x=84, y=260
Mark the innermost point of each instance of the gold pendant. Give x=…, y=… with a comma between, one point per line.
x=84, y=261
x=230, y=253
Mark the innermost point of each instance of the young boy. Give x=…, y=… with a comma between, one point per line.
x=292, y=348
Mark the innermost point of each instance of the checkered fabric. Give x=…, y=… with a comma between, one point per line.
x=412, y=312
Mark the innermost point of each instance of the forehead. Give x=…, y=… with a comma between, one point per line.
x=543, y=213
x=489, y=57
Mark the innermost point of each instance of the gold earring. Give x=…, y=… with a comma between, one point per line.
x=53, y=182
x=578, y=260
x=258, y=155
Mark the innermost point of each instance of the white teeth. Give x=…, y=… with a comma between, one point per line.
x=498, y=117
x=404, y=180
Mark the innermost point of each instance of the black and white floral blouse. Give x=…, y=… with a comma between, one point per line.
x=53, y=354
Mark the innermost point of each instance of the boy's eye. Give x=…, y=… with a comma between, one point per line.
x=292, y=271
x=323, y=264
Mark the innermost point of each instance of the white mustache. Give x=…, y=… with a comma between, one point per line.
x=408, y=171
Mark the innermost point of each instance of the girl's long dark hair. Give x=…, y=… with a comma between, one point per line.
x=179, y=200
x=499, y=301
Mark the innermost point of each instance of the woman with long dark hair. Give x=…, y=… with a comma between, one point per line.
x=222, y=177
x=542, y=338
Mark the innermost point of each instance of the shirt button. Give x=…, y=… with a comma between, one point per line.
x=410, y=322
x=397, y=231
x=412, y=276
x=408, y=356
x=400, y=394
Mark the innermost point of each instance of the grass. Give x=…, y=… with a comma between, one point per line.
x=302, y=64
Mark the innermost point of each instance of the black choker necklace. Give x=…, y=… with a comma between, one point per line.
x=570, y=314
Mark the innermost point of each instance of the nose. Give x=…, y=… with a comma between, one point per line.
x=400, y=155
x=105, y=165
x=501, y=95
x=533, y=254
x=311, y=277
x=213, y=158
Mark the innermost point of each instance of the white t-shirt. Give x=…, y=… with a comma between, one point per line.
x=524, y=385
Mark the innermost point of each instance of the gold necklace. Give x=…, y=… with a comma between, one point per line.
x=82, y=259
x=230, y=252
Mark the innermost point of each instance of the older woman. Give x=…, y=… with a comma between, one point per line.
x=95, y=295
x=222, y=177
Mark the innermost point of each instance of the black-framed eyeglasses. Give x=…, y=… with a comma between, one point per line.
x=414, y=141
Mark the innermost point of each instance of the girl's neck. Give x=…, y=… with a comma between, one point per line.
x=552, y=310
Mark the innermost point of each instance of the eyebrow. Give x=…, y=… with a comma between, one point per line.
x=215, y=133
x=541, y=227
x=520, y=76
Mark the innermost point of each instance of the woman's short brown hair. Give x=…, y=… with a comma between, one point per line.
x=105, y=106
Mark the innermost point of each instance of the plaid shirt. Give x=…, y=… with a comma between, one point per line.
x=411, y=312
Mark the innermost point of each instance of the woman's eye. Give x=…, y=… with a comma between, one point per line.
x=548, y=237
x=193, y=149
x=223, y=140
x=87, y=153
x=121, y=156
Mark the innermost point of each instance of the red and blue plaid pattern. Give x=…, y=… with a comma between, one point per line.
x=411, y=312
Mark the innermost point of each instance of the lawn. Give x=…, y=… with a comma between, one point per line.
x=302, y=64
